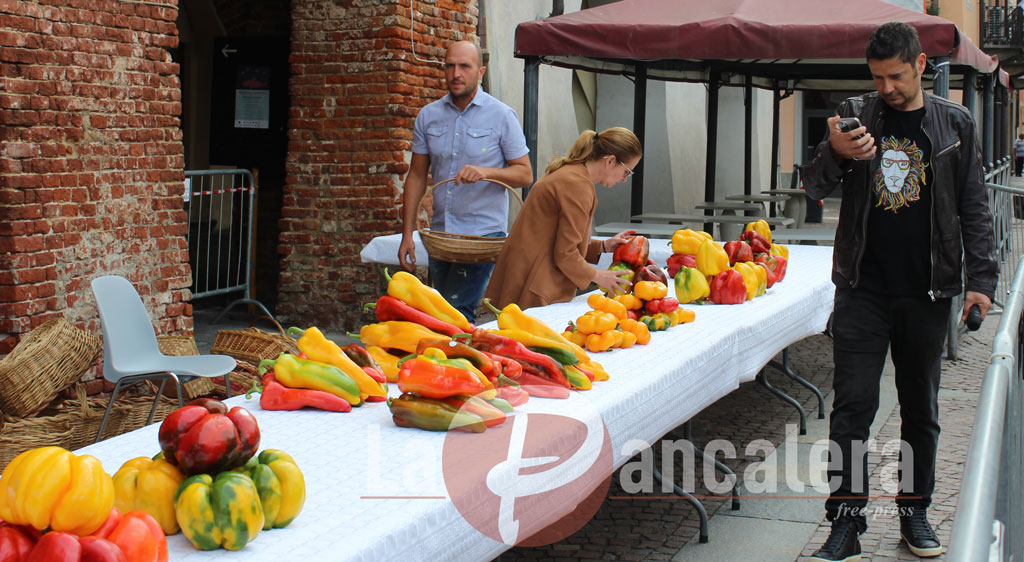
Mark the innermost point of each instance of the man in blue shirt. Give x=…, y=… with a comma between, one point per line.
x=466, y=135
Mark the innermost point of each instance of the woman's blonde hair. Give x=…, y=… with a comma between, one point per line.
x=619, y=142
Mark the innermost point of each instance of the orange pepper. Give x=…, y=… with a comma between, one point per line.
x=605, y=304
x=602, y=341
x=596, y=322
x=630, y=301
x=638, y=329
x=650, y=290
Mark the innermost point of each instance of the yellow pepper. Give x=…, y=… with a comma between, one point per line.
x=396, y=334
x=762, y=278
x=711, y=258
x=575, y=336
x=628, y=339
x=407, y=287
x=388, y=362
x=630, y=301
x=683, y=315
x=605, y=304
x=577, y=378
x=780, y=250
x=318, y=348
x=602, y=341
x=596, y=369
x=596, y=322
x=687, y=241
x=51, y=487
x=761, y=227
x=749, y=278
x=638, y=329
x=512, y=317
x=149, y=485
x=690, y=285
x=650, y=290
x=560, y=351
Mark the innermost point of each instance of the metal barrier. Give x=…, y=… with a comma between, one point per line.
x=220, y=206
x=989, y=515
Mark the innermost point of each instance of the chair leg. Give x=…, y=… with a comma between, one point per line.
x=181, y=393
x=106, y=414
x=159, y=393
x=227, y=384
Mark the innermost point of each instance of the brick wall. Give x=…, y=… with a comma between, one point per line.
x=91, y=162
x=355, y=92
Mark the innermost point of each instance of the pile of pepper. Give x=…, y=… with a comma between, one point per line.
x=704, y=270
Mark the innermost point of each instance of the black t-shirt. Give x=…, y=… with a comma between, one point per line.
x=897, y=259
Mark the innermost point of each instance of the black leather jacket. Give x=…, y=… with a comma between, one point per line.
x=961, y=223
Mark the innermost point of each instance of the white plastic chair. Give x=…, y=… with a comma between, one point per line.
x=130, y=350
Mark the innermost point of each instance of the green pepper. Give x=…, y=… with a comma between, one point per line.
x=409, y=410
x=657, y=322
x=295, y=372
x=219, y=512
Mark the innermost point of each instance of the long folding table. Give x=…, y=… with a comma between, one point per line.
x=378, y=492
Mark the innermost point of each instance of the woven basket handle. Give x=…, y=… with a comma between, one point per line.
x=431, y=188
x=272, y=321
x=83, y=399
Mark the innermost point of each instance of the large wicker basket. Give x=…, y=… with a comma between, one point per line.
x=241, y=379
x=22, y=434
x=85, y=415
x=462, y=248
x=253, y=345
x=48, y=360
x=140, y=404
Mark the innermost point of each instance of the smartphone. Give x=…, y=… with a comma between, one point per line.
x=847, y=124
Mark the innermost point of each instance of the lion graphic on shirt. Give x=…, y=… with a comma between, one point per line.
x=900, y=174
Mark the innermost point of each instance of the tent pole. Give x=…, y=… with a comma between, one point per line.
x=776, y=100
x=987, y=122
x=712, y=148
x=531, y=85
x=636, y=203
x=940, y=80
x=748, y=128
x=969, y=90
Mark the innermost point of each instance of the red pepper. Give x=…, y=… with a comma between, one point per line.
x=758, y=243
x=650, y=272
x=132, y=537
x=676, y=261
x=634, y=251
x=541, y=387
x=276, y=396
x=204, y=437
x=458, y=350
x=389, y=308
x=15, y=542
x=769, y=275
x=431, y=379
x=728, y=288
x=368, y=364
x=739, y=251
x=780, y=270
x=664, y=304
x=491, y=415
x=532, y=362
x=509, y=367
x=513, y=394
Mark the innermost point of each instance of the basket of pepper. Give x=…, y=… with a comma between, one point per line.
x=463, y=248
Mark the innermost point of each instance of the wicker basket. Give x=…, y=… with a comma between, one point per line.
x=85, y=416
x=22, y=434
x=241, y=379
x=48, y=360
x=140, y=404
x=180, y=346
x=253, y=345
x=462, y=248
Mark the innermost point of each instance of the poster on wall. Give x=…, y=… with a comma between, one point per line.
x=252, y=97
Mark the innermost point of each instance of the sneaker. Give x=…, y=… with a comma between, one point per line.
x=921, y=539
x=843, y=544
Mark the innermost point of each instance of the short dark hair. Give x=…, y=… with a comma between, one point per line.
x=894, y=39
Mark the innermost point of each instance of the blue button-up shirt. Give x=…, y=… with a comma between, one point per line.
x=487, y=134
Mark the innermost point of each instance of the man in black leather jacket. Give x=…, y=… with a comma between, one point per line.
x=914, y=214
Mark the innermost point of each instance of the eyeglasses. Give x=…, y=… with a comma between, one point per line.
x=628, y=171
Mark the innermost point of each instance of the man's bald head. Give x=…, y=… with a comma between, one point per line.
x=462, y=47
x=463, y=70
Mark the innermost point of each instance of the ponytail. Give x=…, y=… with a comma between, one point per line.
x=591, y=145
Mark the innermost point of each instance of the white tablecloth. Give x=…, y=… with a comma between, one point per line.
x=351, y=459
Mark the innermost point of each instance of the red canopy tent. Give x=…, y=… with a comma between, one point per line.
x=780, y=45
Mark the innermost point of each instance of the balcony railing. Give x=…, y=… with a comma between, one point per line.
x=1003, y=26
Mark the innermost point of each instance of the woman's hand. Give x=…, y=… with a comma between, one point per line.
x=610, y=280
x=619, y=239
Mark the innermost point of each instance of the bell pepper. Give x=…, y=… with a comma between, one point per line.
x=780, y=269
x=691, y=285
x=738, y=251
x=664, y=304
x=275, y=396
x=389, y=308
x=279, y=484
x=388, y=362
x=634, y=251
x=638, y=329
x=682, y=316
x=605, y=304
x=561, y=352
x=768, y=273
x=532, y=362
x=749, y=278
x=650, y=290
x=627, y=340
x=319, y=348
x=657, y=322
x=595, y=322
x=575, y=335
x=407, y=288
x=780, y=250
x=758, y=243
x=489, y=413
x=762, y=227
x=16, y=541
x=628, y=277
x=295, y=372
x=49, y=487
x=133, y=537
x=711, y=258
x=728, y=288
x=433, y=377
x=651, y=272
x=630, y=301
x=686, y=241
x=676, y=261
x=204, y=436
x=149, y=485
x=601, y=341
x=409, y=410
x=395, y=334
x=457, y=350
x=219, y=512
x=138, y=535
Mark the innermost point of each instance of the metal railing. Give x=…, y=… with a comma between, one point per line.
x=990, y=515
x=1003, y=26
x=220, y=206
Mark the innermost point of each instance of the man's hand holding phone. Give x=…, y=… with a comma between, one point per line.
x=849, y=139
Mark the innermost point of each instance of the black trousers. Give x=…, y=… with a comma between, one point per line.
x=1018, y=165
x=865, y=325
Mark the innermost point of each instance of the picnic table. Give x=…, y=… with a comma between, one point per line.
x=378, y=492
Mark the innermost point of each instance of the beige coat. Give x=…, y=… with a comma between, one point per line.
x=545, y=258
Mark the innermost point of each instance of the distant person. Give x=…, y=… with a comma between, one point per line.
x=1018, y=155
x=549, y=252
x=467, y=135
x=914, y=215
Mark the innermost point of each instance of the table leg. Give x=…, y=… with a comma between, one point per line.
x=730, y=231
x=762, y=378
x=788, y=371
x=796, y=209
x=701, y=512
x=688, y=434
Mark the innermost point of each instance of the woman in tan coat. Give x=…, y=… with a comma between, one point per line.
x=548, y=253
